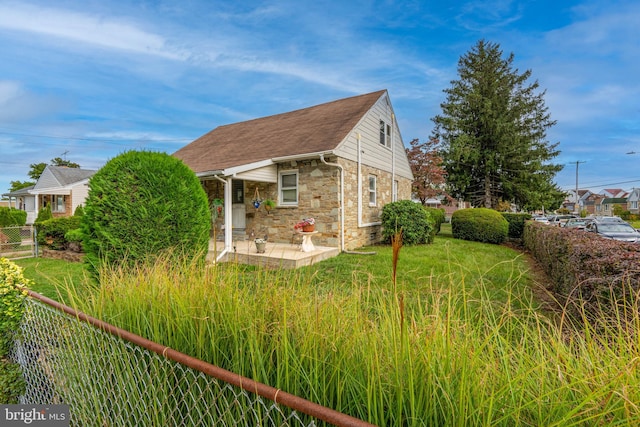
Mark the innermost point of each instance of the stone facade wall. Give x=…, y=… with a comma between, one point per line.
x=318, y=197
x=371, y=232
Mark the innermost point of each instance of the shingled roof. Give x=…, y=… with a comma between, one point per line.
x=316, y=129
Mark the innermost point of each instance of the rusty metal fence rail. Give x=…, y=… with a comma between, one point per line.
x=110, y=377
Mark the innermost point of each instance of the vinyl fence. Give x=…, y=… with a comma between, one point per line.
x=18, y=242
x=110, y=377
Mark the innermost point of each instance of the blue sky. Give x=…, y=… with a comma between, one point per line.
x=87, y=80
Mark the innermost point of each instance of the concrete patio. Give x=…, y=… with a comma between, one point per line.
x=276, y=255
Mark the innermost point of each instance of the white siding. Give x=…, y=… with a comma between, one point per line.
x=79, y=193
x=264, y=174
x=46, y=180
x=374, y=154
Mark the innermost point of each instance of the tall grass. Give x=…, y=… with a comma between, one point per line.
x=438, y=350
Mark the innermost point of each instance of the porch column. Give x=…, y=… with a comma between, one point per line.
x=228, y=222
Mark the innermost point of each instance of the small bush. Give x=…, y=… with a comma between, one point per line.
x=141, y=204
x=480, y=225
x=51, y=233
x=438, y=216
x=44, y=214
x=74, y=239
x=12, y=291
x=516, y=224
x=411, y=218
x=79, y=211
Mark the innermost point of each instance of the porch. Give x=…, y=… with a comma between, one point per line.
x=276, y=255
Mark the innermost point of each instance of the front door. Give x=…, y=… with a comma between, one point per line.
x=238, y=208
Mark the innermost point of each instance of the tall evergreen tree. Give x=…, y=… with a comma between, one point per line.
x=492, y=132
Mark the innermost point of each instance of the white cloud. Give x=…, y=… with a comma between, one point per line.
x=110, y=33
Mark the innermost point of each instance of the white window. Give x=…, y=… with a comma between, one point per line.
x=634, y=204
x=385, y=134
x=372, y=190
x=288, y=187
x=57, y=204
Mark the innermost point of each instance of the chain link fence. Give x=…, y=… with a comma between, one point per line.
x=108, y=380
x=17, y=242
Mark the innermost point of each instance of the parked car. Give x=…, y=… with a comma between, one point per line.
x=616, y=230
x=559, y=220
x=541, y=219
x=577, y=223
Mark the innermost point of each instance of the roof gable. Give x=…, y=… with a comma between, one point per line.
x=61, y=176
x=316, y=129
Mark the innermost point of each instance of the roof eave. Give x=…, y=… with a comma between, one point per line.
x=305, y=156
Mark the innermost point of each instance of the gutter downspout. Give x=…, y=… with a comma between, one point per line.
x=341, y=204
x=228, y=228
x=394, y=196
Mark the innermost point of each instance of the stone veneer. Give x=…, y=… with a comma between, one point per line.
x=318, y=197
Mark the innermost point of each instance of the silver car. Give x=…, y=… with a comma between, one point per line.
x=622, y=231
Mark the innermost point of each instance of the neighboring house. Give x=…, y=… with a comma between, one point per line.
x=613, y=193
x=62, y=188
x=607, y=205
x=592, y=204
x=338, y=162
x=633, y=201
x=22, y=199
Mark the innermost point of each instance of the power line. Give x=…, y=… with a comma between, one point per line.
x=95, y=139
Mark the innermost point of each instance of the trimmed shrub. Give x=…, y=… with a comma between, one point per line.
x=12, y=293
x=11, y=216
x=410, y=217
x=74, y=239
x=79, y=211
x=438, y=216
x=141, y=204
x=480, y=225
x=516, y=223
x=51, y=233
x=44, y=214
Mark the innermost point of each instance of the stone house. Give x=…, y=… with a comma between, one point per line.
x=338, y=162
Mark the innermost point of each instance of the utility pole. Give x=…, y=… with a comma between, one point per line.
x=575, y=207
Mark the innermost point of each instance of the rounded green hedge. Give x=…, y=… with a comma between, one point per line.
x=140, y=205
x=480, y=225
x=411, y=218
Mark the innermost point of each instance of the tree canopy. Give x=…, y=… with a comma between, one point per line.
x=492, y=132
x=428, y=174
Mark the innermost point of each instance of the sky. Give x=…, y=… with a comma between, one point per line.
x=88, y=80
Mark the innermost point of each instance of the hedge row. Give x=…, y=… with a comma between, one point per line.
x=51, y=233
x=584, y=268
x=516, y=223
x=11, y=217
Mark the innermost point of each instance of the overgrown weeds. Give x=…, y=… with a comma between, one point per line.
x=457, y=344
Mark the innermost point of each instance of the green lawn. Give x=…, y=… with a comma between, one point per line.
x=457, y=339
x=444, y=261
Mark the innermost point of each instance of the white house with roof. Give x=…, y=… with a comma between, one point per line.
x=61, y=187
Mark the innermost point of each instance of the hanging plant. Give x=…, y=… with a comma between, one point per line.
x=257, y=201
x=268, y=205
x=217, y=209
